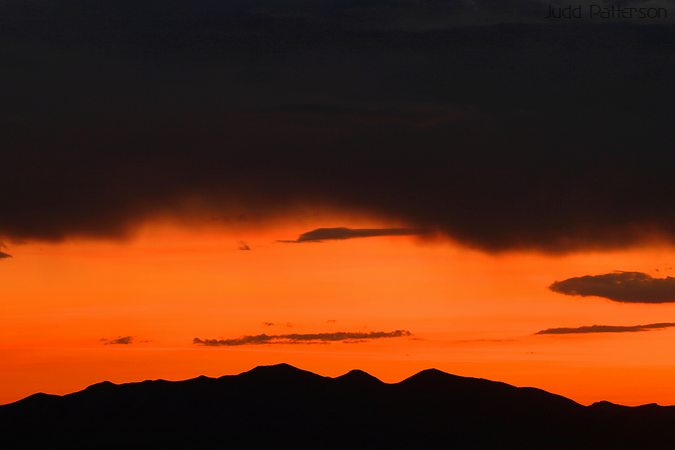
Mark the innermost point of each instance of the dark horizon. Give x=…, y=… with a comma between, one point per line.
x=286, y=407
x=285, y=369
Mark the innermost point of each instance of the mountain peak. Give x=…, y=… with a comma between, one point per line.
x=281, y=367
x=430, y=375
x=358, y=376
x=281, y=371
x=102, y=386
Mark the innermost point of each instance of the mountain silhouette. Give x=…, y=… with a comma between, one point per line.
x=283, y=407
x=358, y=378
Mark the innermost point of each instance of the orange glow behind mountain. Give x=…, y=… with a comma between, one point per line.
x=470, y=313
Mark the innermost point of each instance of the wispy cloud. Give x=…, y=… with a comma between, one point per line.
x=4, y=255
x=342, y=233
x=630, y=287
x=308, y=338
x=244, y=246
x=276, y=324
x=607, y=329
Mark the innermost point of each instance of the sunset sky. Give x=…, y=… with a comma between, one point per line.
x=197, y=188
x=66, y=306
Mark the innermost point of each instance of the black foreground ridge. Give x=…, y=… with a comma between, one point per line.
x=283, y=407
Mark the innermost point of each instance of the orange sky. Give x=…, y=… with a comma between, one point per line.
x=470, y=313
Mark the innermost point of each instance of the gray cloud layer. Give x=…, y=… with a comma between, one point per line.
x=342, y=233
x=607, y=329
x=458, y=117
x=631, y=287
x=308, y=338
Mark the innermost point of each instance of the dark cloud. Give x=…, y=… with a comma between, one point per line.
x=121, y=340
x=308, y=338
x=478, y=120
x=341, y=233
x=631, y=287
x=607, y=329
x=4, y=255
x=244, y=246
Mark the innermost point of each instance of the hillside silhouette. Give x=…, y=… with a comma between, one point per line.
x=283, y=407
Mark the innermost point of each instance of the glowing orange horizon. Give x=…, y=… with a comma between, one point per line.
x=470, y=313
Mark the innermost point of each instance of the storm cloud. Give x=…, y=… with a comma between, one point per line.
x=341, y=233
x=461, y=118
x=297, y=338
x=630, y=287
x=607, y=329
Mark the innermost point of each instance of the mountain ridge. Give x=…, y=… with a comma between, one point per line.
x=282, y=406
x=284, y=370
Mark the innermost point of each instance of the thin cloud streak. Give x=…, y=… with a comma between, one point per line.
x=343, y=233
x=121, y=340
x=296, y=338
x=275, y=324
x=629, y=287
x=607, y=329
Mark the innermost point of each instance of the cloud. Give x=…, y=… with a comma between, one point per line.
x=342, y=233
x=244, y=246
x=461, y=118
x=309, y=338
x=630, y=287
x=607, y=329
x=4, y=255
x=121, y=340
x=276, y=324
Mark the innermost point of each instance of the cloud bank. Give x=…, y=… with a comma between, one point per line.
x=629, y=287
x=461, y=118
x=607, y=329
x=296, y=338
